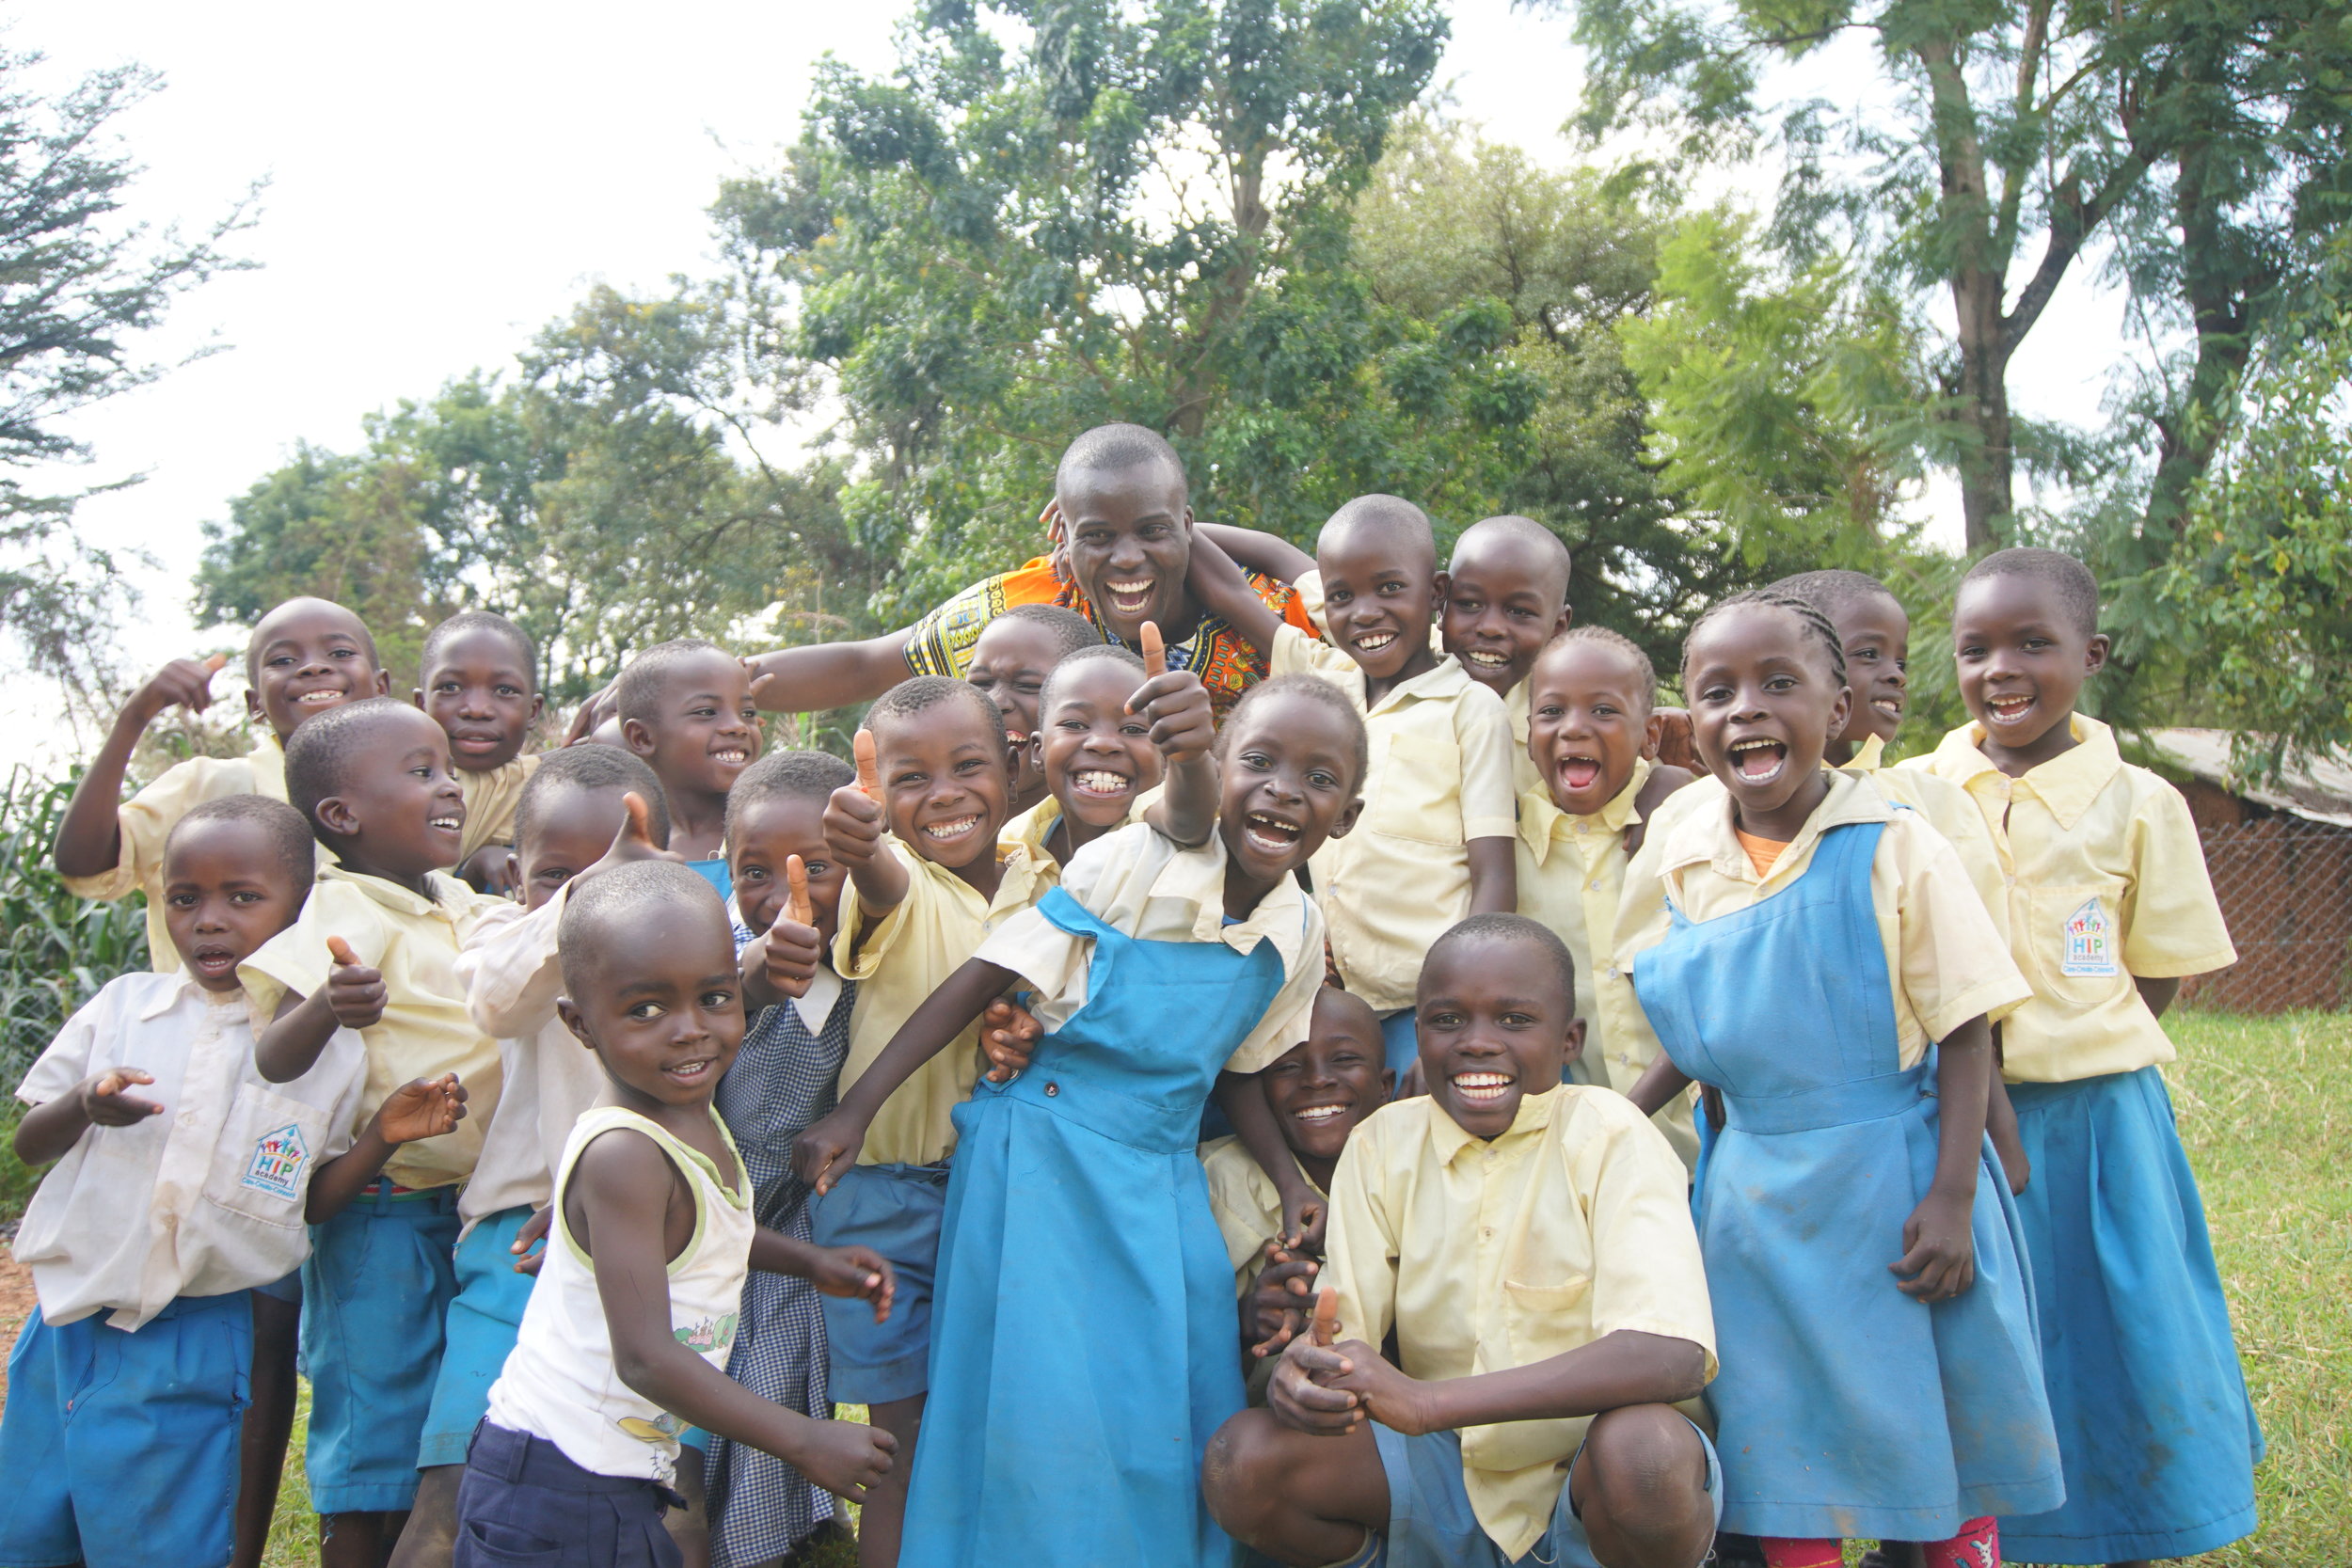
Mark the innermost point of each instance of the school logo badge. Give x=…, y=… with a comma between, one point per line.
x=2090, y=943
x=708, y=1336
x=279, y=1159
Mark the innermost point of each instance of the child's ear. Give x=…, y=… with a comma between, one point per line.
x=384, y=685
x=1575, y=1042
x=416, y=696
x=638, y=736
x=1567, y=618
x=1440, y=588
x=515, y=875
x=253, y=707
x=1653, y=734
x=1037, y=747
x=1388, y=1084
x=1840, y=711
x=334, y=815
x=538, y=705
x=575, y=1021
x=1346, y=818
x=2095, y=655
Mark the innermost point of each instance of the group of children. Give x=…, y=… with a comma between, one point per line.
x=1315, y=1089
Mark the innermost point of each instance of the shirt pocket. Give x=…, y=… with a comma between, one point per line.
x=2075, y=941
x=1547, y=1319
x=1417, y=789
x=268, y=1149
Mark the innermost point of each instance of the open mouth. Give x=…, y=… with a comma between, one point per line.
x=687, y=1073
x=2009, y=709
x=447, y=822
x=1375, y=641
x=212, y=962
x=952, y=829
x=1318, y=1116
x=1273, y=835
x=1891, y=708
x=326, y=696
x=1481, y=1087
x=1480, y=659
x=1131, y=598
x=1579, y=774
x=731, y=756
x=1101, y=781
x=1758, y=761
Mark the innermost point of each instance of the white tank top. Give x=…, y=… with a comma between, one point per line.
x=559, y=1381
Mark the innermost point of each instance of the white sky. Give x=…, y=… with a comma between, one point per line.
x=445, y=178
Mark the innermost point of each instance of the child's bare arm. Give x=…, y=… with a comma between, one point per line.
x=1939, y=1258
x=854, y=830
x=1242, y=1099
x=89, y=838
x=1494, y=873
x=1267, y=554
x=836, y=1270
x=1659, y=1082
x=828, y=675
x=421, y=1108
x=1184, y=727
x=1220, y=586
x=622, y=1182
x=353, y=998
x=101, y=1099
x=2158, y=995
x=831, y=1147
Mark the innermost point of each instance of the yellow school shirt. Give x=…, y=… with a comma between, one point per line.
x=1946, y=961
x=146, y=819
x=1483, y=1257
x=2105, y=881
x=904, y=957
x=426, y=1029
x=490, y=802
x=1028, y=833
x=1955, y=816
x=1248, y=1210
x=1439, y=776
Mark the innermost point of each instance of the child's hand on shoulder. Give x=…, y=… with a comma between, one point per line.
x=421, y=1108
x=1939, y=1258
x=845, y=1457
x=1008, y=1034
x=184, y=683
x=853, y=814
x=354, y=991
x=855, y=1272
x=827, y=1149
x=1174, y=704
x=105, y=1103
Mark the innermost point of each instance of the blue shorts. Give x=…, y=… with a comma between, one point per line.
x=521, y=1502
x=121, y=1448
x=1431, y=1523
x=897, y=1210
x=1401, y=1040
x=477, y=1334
x=375, y=1295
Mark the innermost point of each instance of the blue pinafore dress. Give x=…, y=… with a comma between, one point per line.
x=1083, y=1348
x=1844, y=1407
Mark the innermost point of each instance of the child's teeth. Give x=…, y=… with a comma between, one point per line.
x=1101, y=783
x=1496, y=659
x=1318, y=1112
x=957, y=829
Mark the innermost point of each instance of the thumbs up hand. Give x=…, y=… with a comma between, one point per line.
x=1304, y=1394
x=634, y=839
x=1173, y=702
x=184, y=683
x=355, y=992
x=793, y=946
x=853, y=815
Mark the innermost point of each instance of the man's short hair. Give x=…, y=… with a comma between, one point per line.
x=623, y=898
x=1314, y=689
x=465, y=621
x=1101, y=652
x=638, y=693
x=1518, y=930
x=320, y=754
x=591, y=768
x=1070, y=631
x=811, y=776
x=288, y=830
x=2078, y=591
x=1114, y=447
x=920, y=693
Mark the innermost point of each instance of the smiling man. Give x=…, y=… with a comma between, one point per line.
x=1123, y=551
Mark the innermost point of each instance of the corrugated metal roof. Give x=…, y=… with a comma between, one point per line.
x=2321, y=791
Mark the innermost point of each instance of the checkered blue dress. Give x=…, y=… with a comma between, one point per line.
x=784, y=1080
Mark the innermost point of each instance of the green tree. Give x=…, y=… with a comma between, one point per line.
x=78, y=284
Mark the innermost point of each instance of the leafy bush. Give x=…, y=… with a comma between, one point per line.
x=56, y=949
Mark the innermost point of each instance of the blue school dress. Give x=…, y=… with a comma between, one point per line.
x=1844, y=1407
x=2159, y=1437
x=1084, y=1346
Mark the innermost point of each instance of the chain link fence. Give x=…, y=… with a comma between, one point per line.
x=2285, y=887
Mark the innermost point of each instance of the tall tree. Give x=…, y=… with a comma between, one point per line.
x=78, y=284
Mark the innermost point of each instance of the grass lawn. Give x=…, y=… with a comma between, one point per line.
x=2266, y=1108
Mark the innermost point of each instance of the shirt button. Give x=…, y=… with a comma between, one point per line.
x=1594, y=885
x=1053, y=1088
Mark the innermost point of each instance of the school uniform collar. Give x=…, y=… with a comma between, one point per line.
x=167, y=990
x=1542, y=823
x=2067, y=784
x=1515, y=709
x=1447, y=679
x=1015, y=883
x=1196, y=876
x=1535, y=1115
x=1869, y=757
x=449, y=893
x=1029, y=830
x=1706, y=836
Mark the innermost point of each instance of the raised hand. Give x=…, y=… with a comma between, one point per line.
x=421, y=1108
x=1939, y=1258
x=595, y=712
x=1678, y=746
x=845, y=1457
x=355, y=992
x=763, y=687
x=853, y=815
x=857, y=1271
x=105, y=1104
x=1174, y=704
x=1008, y=1035
x=794, y=946
x=184, y=683
x=827, y=1149
x=633, y=839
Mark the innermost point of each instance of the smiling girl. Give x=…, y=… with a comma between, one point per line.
x=1828, y=968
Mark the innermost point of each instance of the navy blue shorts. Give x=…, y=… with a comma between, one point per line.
x=521, y=1502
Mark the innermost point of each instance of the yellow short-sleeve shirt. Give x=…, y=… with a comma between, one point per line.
x=426, y=1029
x=898, y=960
x=1439, y=775
x=146, y=819
x=1946, y=961
x=1248, y=1210
x=490, y=802
x=1487, y=1256
x=2105, y=881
